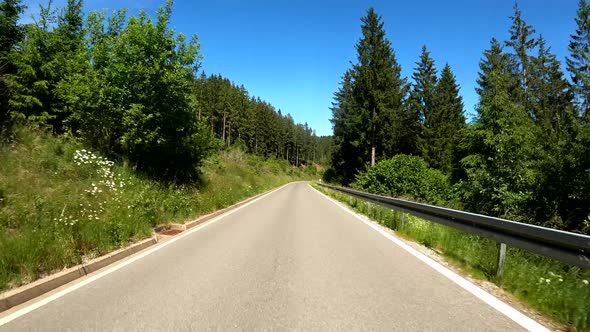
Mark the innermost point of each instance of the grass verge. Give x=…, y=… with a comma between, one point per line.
x=562, y=292
x=61, y=205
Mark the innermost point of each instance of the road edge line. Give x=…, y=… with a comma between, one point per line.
x=106, y=263
x=502, y=307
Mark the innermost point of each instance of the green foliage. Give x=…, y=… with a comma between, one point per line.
x=61, y=204
x=423, y=95
x=138, y=95
x=51, y=53
x=499, y=176
x=522, y=41
x=446, y=124
x=10, y=35
x=578, y=63
x=236, y=118
x=368, y=105
x=406, y=176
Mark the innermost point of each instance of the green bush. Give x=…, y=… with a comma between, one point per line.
x=406, y=176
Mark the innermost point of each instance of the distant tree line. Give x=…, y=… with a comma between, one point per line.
x=237, y=118
x=129, y=86
x=525, y=156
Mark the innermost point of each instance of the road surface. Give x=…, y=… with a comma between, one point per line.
x=292, y=260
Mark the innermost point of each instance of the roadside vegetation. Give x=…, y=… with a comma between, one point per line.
x=525, y=153
x=61, y=204
x=559, y=291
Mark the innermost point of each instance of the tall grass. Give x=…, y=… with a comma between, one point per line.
x=559, y=291
x=61, y=205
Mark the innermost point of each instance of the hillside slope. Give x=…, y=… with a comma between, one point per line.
x=61, y=204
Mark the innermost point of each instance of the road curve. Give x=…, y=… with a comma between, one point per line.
x=292, y=260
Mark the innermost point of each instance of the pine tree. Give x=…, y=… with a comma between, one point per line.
x=446, y=124
x=350, y=152
x=578, y=63
x=378, y=84
x=557, y=144
x=50, y=66
x=422, y=101
x=11, y=33
x=30, y=84
x=423, y=94
x=368, y=105
x=522, y=42
x=499, y=181
x=550, y=92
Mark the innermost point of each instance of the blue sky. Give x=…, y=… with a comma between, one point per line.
x=293, y=53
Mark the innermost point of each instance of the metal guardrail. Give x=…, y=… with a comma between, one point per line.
x=567, y=247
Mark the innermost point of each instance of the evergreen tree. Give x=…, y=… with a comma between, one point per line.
x=447, y=122
x=11, y=33
x=423, y=94
x=367, y=109
x=522, y=42
x=422, y=100
x=498, y=182
x=495, y=60
x=556, y=144
x=350, y=152
x=52, y=54
x=30, y=83
x=578, y=63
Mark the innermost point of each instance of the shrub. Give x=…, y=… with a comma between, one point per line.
x=406, y=176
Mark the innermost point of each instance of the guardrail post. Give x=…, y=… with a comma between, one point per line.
x=349, y=200
x=404, y=216
x=368, y=209
x=501, y=260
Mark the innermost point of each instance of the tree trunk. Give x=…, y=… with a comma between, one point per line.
x=373, y=143
x=229, y=133
x=223, y=131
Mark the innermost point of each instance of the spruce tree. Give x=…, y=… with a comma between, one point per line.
x=11, y=33
x=494, y=60
x=423, y=93
x=558, y=196
x=367, y=107
x=378, y=85
x=350, y=152
x=446, y=124
x=523, y=43
x=422, y=99
x=578, y=63
x=499, y=181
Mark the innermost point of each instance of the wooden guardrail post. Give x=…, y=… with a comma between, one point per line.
x=501, y=260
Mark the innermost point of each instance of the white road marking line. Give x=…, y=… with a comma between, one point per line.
x=112, y=269
x=486, y=297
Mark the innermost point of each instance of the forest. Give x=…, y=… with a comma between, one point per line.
x=132, y=88
x=526, y=154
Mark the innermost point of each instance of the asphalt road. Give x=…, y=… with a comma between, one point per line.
x=292, y=260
